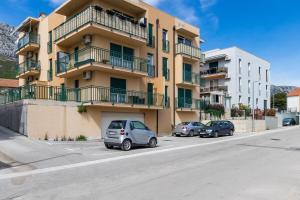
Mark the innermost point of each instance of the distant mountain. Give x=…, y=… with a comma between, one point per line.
x=281, y=89
x=7, y=41
x=8, y=60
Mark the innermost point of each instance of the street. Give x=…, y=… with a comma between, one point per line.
x=245, y=166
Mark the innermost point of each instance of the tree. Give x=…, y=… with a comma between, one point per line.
x=279, y=101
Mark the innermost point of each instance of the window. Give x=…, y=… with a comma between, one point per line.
x=240, y=99
x=117, y=124
x=240, y=66
x=213, y=65
x=240, y=84
x=50, y=71
x=267, y=90
x=184, y=98
x=259, y=89
x=249, y=69
x=50, y=42
x=183, y=40
x=187, y=72
x=249, y=86
x=151, y=39
x=166, y=96
x=267, y=76
x=138, y=125
x=166, y=43
x=165, y=68
x=259, y=73
x=249, y=101
x=150, y=65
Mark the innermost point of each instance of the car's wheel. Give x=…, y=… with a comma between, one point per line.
x=126, y=145
x=191, y=134
x=152, y=143
x=231, y=133
x=108, y=146
x=216, y=134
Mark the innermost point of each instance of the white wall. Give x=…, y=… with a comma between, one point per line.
x=293, y=104
x=234, y=54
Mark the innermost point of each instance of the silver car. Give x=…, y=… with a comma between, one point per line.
x=187, y=129
x=129, y=133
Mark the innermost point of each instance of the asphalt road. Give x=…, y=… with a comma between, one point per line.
x=255, y=167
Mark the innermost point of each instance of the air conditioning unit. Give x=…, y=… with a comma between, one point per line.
x=29, y=54
x=143, y=22
x=87, y=75
x=87, y=39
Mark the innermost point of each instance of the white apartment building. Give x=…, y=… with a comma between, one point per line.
x=232, y=76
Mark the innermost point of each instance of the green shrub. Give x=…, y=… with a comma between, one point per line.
x=82, y=109
x=81, y=138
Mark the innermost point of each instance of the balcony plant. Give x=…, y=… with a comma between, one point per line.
x=82, y=109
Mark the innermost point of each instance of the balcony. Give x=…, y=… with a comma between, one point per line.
x=94, y=58
x=112, y=97
x=217, y=89
x=88, y=96
x=191, y=52
x=187, y=105
x=29, y=42
x=28, y=68
x=215, y=73
x=97, y=21
x=190, y=79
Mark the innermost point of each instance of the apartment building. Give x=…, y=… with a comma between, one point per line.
x=118, y=59
x=233, y=76
x=293, y=100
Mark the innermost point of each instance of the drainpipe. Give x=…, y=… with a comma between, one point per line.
x=157, y=33
x=174, y=89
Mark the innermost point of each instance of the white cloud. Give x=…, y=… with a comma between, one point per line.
x=205, y=4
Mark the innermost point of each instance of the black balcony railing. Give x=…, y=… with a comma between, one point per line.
x=29, y=65
x=105, y=18
x=28, y=38
x=104, y=56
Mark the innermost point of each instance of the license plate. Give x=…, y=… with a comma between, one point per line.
x=112, y=133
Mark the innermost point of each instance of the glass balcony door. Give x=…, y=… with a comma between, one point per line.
x=187, y=72
x=118, y=90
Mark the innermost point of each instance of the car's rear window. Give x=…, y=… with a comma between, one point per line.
x=121, y=124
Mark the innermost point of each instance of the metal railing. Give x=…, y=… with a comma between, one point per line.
x=98, y=16
x=193, y=78
x=188, y=50
x=166, y=46
x=94, y=94
x=98, y=55
x=151, y=41
x=214, y=89
x=151, y=70
x=28, y=38
x=186, y=103
x=29, y=65
x=213, y=71
x=90, y=94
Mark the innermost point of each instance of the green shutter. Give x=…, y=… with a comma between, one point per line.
x=180, y=97
x=187, y=72
x=165, y=68
x=150, y=93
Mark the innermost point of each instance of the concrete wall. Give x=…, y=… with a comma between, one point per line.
x=272, y=123
x=293, y=104
x=13, y=116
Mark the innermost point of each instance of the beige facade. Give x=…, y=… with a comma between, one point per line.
x=154, y=57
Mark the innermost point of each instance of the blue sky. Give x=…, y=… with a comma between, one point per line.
x=267, y=28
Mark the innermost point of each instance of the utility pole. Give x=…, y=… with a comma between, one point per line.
x=253, y=108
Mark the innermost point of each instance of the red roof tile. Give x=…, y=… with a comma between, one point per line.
x=294, y=93
x=9, y=83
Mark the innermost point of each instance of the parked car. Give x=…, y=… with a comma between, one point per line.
x=187, y=129
x=129, y=133
x=218, y=128
x=289, y=122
